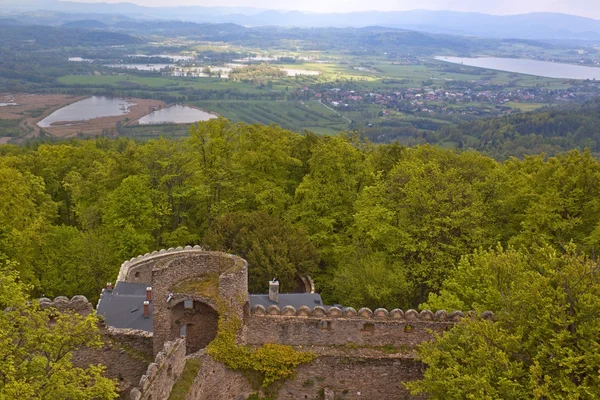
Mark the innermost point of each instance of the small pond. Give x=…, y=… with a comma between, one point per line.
x=176, y=114
x=141, y=67
x=90, y=108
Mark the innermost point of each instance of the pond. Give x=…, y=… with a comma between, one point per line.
x=295, y=72
x=176, y=114
x=172, y=57
x=141, y=67
x=92, y=107
x=79, y=59
x=529, y=67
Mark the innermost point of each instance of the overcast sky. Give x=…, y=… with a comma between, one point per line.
x=589, y=8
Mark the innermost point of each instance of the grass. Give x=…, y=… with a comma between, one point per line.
x=176, y=83
x=525, y=106
x=9, y=127
x=186, y=380
x=206, y=285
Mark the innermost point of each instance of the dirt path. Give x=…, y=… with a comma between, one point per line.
x=329, y=108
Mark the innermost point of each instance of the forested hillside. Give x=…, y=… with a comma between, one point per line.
x=550, y=130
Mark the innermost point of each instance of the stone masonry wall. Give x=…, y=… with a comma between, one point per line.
x=78, y=304
x=161, y=375
x=135, y=340
x=317, y=327
x=231, y=287
x=139, y=269
x=122, y=364
x=125, y=353
x=352, y=378
x=215, y=382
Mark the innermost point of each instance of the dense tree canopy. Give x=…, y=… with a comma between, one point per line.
x=36, y=348
x=544, y=342
x=374, y=225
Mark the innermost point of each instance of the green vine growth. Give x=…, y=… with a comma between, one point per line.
x=267, y=364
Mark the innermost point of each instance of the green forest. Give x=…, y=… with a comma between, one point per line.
x=375, y=225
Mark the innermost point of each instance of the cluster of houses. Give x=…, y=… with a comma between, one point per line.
x=448, y=101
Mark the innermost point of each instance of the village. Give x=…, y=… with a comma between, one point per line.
x=474, y=97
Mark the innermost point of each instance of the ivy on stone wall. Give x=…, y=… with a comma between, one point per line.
x=267, y=364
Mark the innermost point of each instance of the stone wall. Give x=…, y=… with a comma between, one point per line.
x=78, y=304
x=137, y=341
x=122, y=363
x=215, y=382
x=161, y=375
x=124, y=352
x=352, y=378
x=317, y=327
x=207, y=277
x=139, y=269
x=201, y=324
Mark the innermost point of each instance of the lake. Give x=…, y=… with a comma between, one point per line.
x=529, y=67
x=92, y=107
x=79, y=59
x=172, y=57
x=141, y=67
x=295, y=72
x=176, y=114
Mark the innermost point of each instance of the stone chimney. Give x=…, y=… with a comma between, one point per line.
x=148, y=293
x=109, y=286
x=274, y=291
x=146, y=309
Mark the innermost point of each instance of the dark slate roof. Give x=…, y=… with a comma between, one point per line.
x=123, y=307
x=295, y=300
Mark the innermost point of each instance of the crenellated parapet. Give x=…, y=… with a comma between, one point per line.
x=139, y=269
x=334, y=326
x=162, y=373
x=77, y=304
x=380, y=314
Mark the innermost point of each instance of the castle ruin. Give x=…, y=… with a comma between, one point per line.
x=164, y=310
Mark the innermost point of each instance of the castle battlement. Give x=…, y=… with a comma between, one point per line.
x=162, y=373
x=78, y=304
x=129, y=268
x=380, y=314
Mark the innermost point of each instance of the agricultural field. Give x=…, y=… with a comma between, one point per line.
x=296, y=116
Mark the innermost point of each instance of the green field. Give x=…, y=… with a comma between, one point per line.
x=296, y=116
x=175, y=83
x=525, y=107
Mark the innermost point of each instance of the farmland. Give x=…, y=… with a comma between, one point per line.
x=394, y=88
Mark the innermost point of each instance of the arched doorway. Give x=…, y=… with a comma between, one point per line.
x=195, y=320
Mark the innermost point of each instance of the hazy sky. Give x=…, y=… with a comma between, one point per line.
x=589, y=8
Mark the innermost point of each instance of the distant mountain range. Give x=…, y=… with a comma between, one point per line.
x=541, y=26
